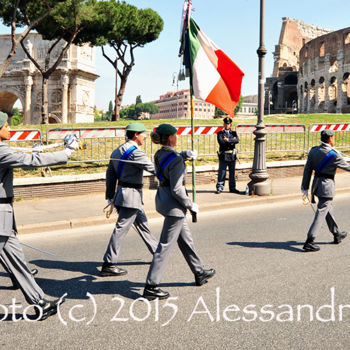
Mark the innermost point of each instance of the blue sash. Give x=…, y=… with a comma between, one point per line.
x=126, y=155
x=325, y=161
x=163, y=164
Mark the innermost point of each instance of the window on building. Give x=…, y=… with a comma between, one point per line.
x=322, y=49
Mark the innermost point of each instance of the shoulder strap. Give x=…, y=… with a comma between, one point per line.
x=163, y=164
x=126, y=155
x=325, y=161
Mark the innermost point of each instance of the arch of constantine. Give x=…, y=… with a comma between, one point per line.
x=323, y=81
x=71, y=86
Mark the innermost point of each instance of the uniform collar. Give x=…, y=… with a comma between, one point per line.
x=327, y=145
x=168, y=148
x=133, y=143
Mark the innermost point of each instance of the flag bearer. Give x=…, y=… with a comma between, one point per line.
x=172, y=202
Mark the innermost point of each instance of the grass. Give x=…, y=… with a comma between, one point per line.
x=277, y=145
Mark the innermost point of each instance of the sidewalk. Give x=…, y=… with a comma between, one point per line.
x=78, y=211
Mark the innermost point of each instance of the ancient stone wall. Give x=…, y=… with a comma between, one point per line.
x=323, y=79
x=71, y=86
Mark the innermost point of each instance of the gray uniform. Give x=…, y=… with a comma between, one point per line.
x=10, y=250
x=172, y=202
x=128, y=198
x=323, y=185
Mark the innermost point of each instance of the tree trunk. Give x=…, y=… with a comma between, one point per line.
x=116, y=116
x=45, y=100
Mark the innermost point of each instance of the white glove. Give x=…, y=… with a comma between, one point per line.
x=304, y=192
x=195, y=208
x=71, y=142
x=191, y=154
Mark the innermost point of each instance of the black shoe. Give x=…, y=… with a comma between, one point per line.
x=48, y=308
x=112, y=270
x=154, y=292
x=338, y=237
x=310, y=246
x=218, y=191
x=202, y=277
x=235, y=191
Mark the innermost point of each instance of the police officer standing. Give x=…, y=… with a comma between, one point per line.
x=324, y=160
x=227, y=140
x=125, y=171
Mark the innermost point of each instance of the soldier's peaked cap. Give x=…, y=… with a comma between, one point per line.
x=3, y=119
x=227, y=120
x=137, y=127
x=166, y=129
x=327, y=132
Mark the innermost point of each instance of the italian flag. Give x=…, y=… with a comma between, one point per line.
x=215, y=77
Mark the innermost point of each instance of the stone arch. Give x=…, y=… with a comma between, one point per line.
x=332, y=94
x=321, y=94
x=54, y=119
x=305, y=97
x=346, y=88
x=8, y=97
x=312, y=93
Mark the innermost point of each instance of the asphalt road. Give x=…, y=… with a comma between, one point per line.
x=267, y=293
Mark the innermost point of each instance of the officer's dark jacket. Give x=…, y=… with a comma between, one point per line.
x=227, y=145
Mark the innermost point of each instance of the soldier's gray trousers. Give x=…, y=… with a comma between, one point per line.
x=128, y=217
x=324, y=211
x=14, y=262
x=175, y=229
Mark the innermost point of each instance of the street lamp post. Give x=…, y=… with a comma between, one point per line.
x=259, y=184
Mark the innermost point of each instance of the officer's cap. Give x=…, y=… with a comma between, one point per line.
x=166, y=129
x=3, y=119
x=327, y=133
x=137, y=127
x=227, y=120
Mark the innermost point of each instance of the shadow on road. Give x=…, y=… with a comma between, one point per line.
x=289, y=245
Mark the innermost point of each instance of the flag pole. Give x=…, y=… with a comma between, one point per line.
x=194, y=215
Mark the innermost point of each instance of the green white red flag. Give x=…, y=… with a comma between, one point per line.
x=215, y=77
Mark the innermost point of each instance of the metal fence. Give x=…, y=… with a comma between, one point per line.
x=279, y=138
x=342, y=136
x=100, y=142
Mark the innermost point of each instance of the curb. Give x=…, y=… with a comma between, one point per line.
x=204, y=208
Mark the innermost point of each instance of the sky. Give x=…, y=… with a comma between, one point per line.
x=234, y=27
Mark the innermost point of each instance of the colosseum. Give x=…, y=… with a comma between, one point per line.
x=311, y=70
x=323, y=79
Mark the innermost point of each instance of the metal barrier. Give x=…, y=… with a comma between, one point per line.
x=342, y=136
x=279, y=138
x=24, y=138
x=100, y=142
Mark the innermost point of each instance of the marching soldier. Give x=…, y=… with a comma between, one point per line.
x=324, y=160
x=12, y=257
x=172, y=202
x=125, y=170
x=227, y=140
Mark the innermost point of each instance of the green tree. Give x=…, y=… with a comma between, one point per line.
x=239, y=104
x=219, y=112
x=67, y=19
x=17, y=117
x=124, y=28
x=13, y=15
x=138, y=100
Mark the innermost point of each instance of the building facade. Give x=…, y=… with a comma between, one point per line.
x=71, y=87
x=281, y=89
x=323, y=80
x=177, y=105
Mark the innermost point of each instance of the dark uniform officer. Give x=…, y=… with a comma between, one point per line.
x=227, y=140
x=172, y=202
x=324, y=160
